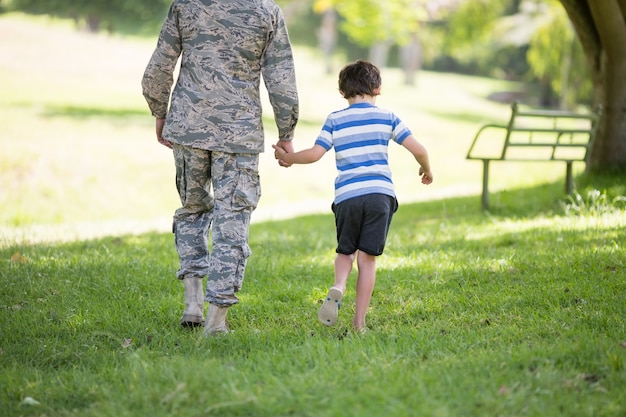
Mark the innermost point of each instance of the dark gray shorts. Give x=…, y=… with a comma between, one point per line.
x=363, y=223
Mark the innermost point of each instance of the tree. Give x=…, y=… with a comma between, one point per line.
x=468, y=34
x=555, y=57
x=601, y=29
x=380, y=25
x=327, y=33
x=96, y=15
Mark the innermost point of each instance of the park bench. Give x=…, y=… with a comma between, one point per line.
x=535, y=135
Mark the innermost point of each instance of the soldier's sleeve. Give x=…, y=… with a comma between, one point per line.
x=158, y=77
x=279, y=77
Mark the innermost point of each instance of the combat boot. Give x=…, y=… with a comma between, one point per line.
x=194, y=303
x=215, y=323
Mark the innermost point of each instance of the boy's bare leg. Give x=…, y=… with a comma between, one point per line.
x=329, y=311
x=343, y=267
x=364, y=288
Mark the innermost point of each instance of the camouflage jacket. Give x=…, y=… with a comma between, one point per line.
x=225, y=46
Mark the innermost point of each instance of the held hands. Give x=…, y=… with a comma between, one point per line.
x=427, y=176
x=280, y=150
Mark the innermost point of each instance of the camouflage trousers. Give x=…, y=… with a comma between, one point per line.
x=223, y=212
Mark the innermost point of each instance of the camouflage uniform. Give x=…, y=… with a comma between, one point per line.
x=214, y=122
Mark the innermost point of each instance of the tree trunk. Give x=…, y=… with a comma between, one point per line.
x=601, y=28
x=93, y=23
x=566, y=101
x=379, y=53
x=546, y=95
x=327, y=37
x=610, y=152
x=411, y=58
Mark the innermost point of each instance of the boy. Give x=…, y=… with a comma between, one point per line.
x=364, y=194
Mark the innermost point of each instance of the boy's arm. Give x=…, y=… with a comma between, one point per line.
x=305, y=156
x=421, y=156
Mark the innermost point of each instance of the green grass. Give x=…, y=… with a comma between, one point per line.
x=516, y=312
x=470, y=317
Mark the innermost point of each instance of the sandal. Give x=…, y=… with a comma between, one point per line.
x=330, y=308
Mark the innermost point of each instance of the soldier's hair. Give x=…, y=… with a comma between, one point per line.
x=359, y=78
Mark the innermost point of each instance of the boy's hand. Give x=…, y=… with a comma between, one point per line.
x=427, y=176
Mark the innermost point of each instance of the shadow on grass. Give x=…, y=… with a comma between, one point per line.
x=88, y=112
x=468, y=117
x=85, y=112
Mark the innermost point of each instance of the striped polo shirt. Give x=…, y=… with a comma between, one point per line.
x=360, y=135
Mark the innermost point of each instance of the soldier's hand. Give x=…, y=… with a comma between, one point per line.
x=159, y=133
x=287, y=147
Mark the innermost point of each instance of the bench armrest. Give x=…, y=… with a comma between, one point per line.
x=483, y=128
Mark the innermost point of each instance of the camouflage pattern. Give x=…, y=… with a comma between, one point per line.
x=236, y=192
x=214, y=120
x=225, y=46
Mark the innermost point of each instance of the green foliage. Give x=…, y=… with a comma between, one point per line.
x=468, y=39
x=98, y=14
x=464, y=39
x=491, y=36
x=555, y=54
x=472, y=24
x=368, y=22
x=596, y=203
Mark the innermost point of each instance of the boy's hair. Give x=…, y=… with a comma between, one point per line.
x=359, y=78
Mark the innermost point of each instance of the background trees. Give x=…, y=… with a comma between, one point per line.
x=96, y=15
x=476, y=31
x=568, y=52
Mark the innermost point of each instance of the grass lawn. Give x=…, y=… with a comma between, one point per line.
x=516, y=312
x=471, y=316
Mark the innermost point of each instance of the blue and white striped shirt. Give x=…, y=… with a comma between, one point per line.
x=361, y=135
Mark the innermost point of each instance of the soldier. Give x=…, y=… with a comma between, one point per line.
x=215, y=129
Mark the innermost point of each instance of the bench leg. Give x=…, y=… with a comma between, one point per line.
x=569, y=181
x=485, y=197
